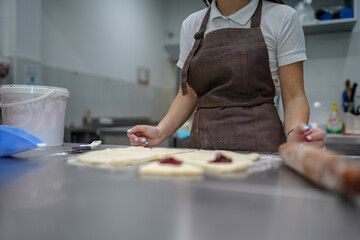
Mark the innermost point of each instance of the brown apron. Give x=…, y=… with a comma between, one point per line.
x=230, y=73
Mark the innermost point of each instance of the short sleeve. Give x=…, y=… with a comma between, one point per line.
x=291, y=42
x=185, y=45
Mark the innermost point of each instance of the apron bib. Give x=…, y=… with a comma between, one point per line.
x=230, y=73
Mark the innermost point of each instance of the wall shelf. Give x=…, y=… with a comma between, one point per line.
x=333, y=25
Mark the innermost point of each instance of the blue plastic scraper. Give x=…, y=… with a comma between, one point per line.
x=14, y=140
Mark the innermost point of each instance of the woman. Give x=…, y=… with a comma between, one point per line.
x=232, y=55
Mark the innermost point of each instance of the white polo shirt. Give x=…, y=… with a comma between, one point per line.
x=280, y=27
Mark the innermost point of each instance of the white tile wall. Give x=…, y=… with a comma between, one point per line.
x=106, y=97
x=332, y=58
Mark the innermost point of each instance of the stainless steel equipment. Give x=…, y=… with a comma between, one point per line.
x=42, y=196
x=343, y=144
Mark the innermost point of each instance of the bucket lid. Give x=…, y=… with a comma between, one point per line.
x=32, y=89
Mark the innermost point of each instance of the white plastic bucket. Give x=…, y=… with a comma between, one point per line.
x=37, y=109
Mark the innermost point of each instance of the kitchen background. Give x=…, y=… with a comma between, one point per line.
x=98, y=49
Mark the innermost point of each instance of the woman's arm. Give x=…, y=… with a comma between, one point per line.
x=296, y=107
x=179, y=111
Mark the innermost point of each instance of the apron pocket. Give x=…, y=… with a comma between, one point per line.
x=227, y=79
x=221, y=59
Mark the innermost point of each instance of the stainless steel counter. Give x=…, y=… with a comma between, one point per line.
x=45, y=195
x=344, y=144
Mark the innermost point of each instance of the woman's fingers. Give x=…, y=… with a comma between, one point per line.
x=303, y=129
x=305, y=134
x=317, y=134
x=299, y=133
x=316, y=138
x=138, y=135
x=138, y=141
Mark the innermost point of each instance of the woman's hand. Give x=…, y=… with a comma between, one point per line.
x=180, y=110
x=305, y=134
x=144, y=135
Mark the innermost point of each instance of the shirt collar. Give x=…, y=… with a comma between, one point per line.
x=241, y=17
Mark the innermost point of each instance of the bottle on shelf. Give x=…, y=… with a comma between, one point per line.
x=305, y=11
x=334, y=124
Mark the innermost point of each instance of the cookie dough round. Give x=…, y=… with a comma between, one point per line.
x=158, y=169
x=203, y=158
x=119, y=156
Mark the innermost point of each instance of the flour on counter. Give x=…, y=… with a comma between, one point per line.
x=58, y=154
x=266, y=162
x=73, y=161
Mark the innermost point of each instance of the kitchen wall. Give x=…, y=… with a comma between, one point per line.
x=7, y=26
x=333, y=58
x=93, y=48
x=7, y=35
x=20, y=28
x=175, y=14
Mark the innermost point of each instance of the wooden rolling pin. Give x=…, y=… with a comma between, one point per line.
x=322, y=167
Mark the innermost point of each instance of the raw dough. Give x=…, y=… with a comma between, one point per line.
x=239, y=157
x=119, y=156
x=128, y=155
x=196, y=159
x=209, y=155
x=167, y=152
x=157, y=169
x=202, y=159
x=222, y=167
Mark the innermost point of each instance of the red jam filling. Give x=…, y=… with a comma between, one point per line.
x=221, y=159
x=170, y=161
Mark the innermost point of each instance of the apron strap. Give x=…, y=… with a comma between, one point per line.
x=199, y=37
x=256, y=17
